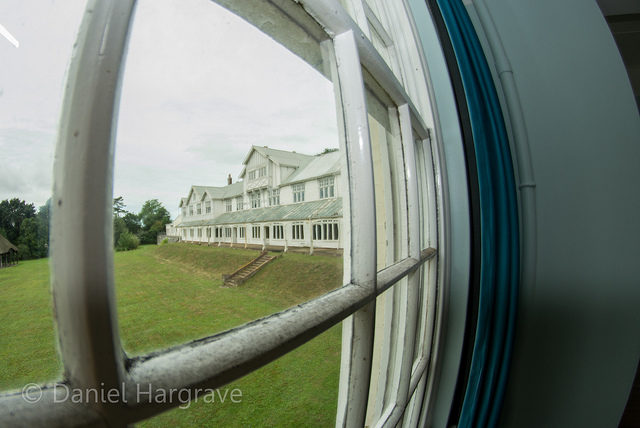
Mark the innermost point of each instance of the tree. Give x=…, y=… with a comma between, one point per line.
x=12, y=214
x=153, y=217
x=118, y=206
x=132, y=222
x=127, y=241
x=327, y=150
x=119, y=227
x=33, y=242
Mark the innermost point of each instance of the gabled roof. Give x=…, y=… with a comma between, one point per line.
x=321, y=165
x=200, y=192
x=280, y=157
x=6, y=246
x=324, y=208
x=183, y=202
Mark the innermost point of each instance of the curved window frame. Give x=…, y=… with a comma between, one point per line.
x=82, y=277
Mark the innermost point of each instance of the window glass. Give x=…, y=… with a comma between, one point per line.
x=195, y=102
x=298, y=192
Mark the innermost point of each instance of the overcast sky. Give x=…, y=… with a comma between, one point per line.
x=200, y=87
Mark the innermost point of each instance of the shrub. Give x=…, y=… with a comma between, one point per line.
x=164, y=241
x=127, y=241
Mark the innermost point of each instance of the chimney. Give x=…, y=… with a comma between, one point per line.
x=229, y=179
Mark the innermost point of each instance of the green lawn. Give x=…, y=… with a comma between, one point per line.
x=170, y=294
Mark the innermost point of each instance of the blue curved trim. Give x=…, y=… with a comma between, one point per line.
x=500, y=255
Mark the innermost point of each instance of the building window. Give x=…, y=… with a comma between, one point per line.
x=207, y=207
x=255, y=232
x=255, y=199
x=262, y=171
x=190, y=210
x=325, y=231
x=252, y=175
x=184, y=211
x=274, y=197
x=241, y=232
x=227, y=232
x=326, y=187
x=184, y=233
x=208, y=232
x=199, y=209
x=199, y=232
x=228, y=207
x=298, y=192
x=278, y=231
x=191, y=233
x=239, y=203
x=297, y=231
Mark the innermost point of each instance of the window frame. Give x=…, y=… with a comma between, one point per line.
x=91, y=349
x=255, y=198
x=297, y=190
x=274, y=197
x=326, y=187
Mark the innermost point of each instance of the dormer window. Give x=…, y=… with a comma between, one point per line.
x=252, y=175
x=227, y=203
x=199, y=209
x=207, y=207
x=190, y=210
x=262, y=172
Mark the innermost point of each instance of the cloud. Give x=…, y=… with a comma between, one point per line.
x=27, y=164
x=200, y=87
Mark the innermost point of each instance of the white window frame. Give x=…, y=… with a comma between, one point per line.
x=326, y=230
x=256, y=232
x=228, y=205
x=207, y=207
x=274, y=197
x=326, y=187
x=199, y=208
x=239, y=203
x=298, y=192
x=297, y=231
x=277, y=231
x=241, y=231
x=91, y=349
x=255, y=199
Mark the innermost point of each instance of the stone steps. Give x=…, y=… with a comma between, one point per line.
x=247, y=271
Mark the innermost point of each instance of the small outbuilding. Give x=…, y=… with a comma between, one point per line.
x=8, y=253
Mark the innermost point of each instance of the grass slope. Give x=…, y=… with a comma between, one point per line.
x=171, y=294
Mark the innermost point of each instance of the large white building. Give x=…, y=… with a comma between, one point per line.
x=284, y=199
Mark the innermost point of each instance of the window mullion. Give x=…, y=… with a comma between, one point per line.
x=82, y=236
x=413, y=279
x=358, y=329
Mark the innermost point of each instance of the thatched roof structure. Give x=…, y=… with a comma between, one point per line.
x=6, y=246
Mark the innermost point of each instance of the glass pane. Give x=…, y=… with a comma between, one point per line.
x=391, y=223
x=215, y=113
x=34, y=50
